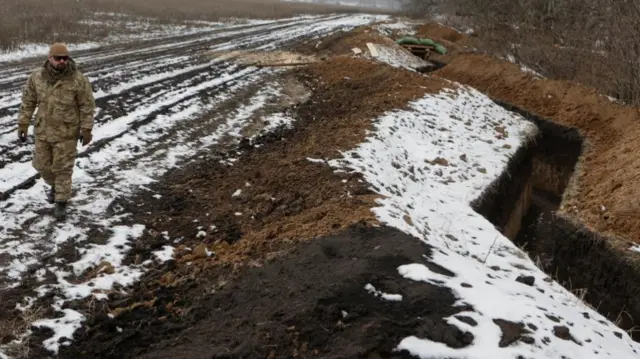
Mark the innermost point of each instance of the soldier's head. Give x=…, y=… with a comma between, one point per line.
x=58, y=55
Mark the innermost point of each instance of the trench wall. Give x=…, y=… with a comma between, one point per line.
x=522, y=204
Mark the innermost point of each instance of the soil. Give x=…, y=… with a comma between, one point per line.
x=281, y=311
x=607, y=172
x=282, y=201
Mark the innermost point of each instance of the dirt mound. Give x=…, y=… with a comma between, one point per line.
x=606, y=191
x=281, y=311
x=438, y=32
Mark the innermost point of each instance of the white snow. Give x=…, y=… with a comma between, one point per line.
x=398, y=57
x=530, y=71
x=459, y=126
x=63, y=327
x=165, y=254
x=276, y=120
x=403, y=28
x=34, y=50
x=316, y=160
x=137, y=28
x=391, y=297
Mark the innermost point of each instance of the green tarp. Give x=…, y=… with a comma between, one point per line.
x=410, y=40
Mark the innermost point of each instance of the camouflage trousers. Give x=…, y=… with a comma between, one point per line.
x=54, y=161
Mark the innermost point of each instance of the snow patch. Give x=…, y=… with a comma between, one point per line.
x=398, y=57
x=390, y=297
x=164, y=255
x=63, y=328
x=41, y=50
x=389, y=28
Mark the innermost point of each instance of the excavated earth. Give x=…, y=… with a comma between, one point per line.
x=254, y=286
x=605, y=193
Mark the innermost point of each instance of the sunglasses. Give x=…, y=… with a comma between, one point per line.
x=59, y=58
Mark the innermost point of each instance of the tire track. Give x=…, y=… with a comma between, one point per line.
x=123, y=55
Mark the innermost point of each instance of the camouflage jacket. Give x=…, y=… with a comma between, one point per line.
x=65, y=105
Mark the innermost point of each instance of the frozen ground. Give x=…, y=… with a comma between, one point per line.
x=429, y=163
x=122, y=28
x=151, y=99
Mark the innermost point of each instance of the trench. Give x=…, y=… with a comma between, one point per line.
x=522, y=204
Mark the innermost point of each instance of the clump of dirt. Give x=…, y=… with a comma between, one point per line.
x=605, y=189
x=311, y=304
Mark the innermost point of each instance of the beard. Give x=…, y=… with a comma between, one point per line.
x=60, y=66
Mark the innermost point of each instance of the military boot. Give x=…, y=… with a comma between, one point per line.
x=51, y=195
x=60, y=212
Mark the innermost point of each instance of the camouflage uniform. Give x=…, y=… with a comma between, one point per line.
x=66, y=107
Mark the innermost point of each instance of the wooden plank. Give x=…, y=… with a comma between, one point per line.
x=372, y=49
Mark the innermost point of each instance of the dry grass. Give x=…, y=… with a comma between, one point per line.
x=37, y=21
x=16, y=328
x=593, y=42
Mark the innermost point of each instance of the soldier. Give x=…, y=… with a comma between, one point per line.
x=66, y=106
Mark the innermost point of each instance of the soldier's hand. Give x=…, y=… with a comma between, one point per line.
x=22, y=132
x=86, y=137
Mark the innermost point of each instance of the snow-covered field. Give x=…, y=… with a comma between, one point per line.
x=125, y=28
x=151, y=100
x=429, y=163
